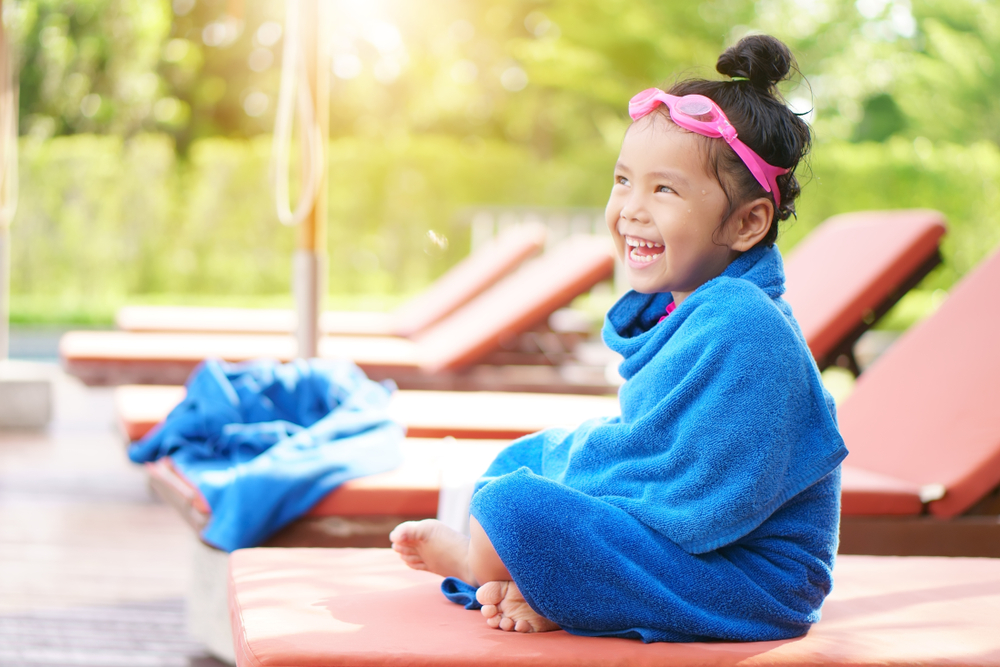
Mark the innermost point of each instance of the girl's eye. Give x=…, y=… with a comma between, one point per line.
x=664, y=188
x=621, y=180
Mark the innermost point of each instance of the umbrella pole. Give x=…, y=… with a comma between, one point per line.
x=310, y=255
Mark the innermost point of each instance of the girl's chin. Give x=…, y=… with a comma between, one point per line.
x=647, y=286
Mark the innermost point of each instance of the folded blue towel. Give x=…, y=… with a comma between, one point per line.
x=709, y=509
x=264, y=442
x=460, y=592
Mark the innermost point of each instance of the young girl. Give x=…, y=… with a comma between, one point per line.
x=709, y=509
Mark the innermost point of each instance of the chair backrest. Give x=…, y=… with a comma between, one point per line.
x=480, y=270
x=515, y=304
x=841, y=274
x=928, y=410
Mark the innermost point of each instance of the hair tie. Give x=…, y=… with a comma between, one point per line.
x=739, y=78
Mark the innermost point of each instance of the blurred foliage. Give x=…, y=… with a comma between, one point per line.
x=126, y=66
x=88, y=66
x=102, y=218
x=553, y=75
x=145, y=149
x=880, y=119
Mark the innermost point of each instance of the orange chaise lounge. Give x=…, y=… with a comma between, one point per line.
x=923, y=430
x=363, y=607
x=360, y=512
x=936, y=385
x=468, y=279
x=439, y=357
x=848, y=272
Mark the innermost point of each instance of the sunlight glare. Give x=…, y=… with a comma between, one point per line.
x=268, y=33
x=349, y=22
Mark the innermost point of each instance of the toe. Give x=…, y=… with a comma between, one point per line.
x=401, y=533
x=506, y=624
x=489, y=610
x=523, y=626
x=490, y=593
x=494, y=621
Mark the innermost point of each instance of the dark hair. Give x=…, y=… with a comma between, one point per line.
x=762, y=120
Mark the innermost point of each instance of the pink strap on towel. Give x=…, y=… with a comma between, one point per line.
x=670, y=308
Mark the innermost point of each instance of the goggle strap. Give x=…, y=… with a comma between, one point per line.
x=750, y=159
x=765, y=174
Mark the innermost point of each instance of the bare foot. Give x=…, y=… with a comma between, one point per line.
x=505, y=608
x=430, y=545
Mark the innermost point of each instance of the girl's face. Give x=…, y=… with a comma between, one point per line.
x=665, y=211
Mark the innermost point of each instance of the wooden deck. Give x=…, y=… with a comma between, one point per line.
x=93, y=569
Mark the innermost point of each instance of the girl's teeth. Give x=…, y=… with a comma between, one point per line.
x=645, y=259
x=640, y=243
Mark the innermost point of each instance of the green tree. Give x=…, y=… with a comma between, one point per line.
x=916, y=68
x=88, y=65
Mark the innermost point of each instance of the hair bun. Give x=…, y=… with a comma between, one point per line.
x=761, y=59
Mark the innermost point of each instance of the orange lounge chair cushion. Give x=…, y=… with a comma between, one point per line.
x=870, y=253
x=125, y=346
x=865, y=493
x=412, y=489
x=927, y=411
x=522, y=300
x=514, y=305
x=322, y=607
x=469, y=278
x=426, y=414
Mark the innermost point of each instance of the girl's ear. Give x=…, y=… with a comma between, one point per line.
x=752, y=224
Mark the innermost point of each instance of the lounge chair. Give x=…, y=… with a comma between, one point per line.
x=360, y=512
x=852, y=269
x=433, y=359
x=923, y=430
x=875, y=256
x=426, y=414
x=299, y=607
x=468, y=279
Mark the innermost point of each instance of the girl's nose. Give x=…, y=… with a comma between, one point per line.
x=634, y=209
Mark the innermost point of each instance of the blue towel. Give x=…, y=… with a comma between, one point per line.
x=264, y=442
x=709, y=509
x=459, y=592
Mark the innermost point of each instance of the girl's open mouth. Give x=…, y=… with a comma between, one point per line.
x=642, y=251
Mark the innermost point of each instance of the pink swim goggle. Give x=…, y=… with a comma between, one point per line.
x=701, y=115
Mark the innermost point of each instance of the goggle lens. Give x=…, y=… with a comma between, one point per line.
x=694, y=107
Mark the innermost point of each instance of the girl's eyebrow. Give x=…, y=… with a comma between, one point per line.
x=671, y=176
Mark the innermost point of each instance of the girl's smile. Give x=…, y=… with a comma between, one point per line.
x=642, y=251
x=665, y=210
